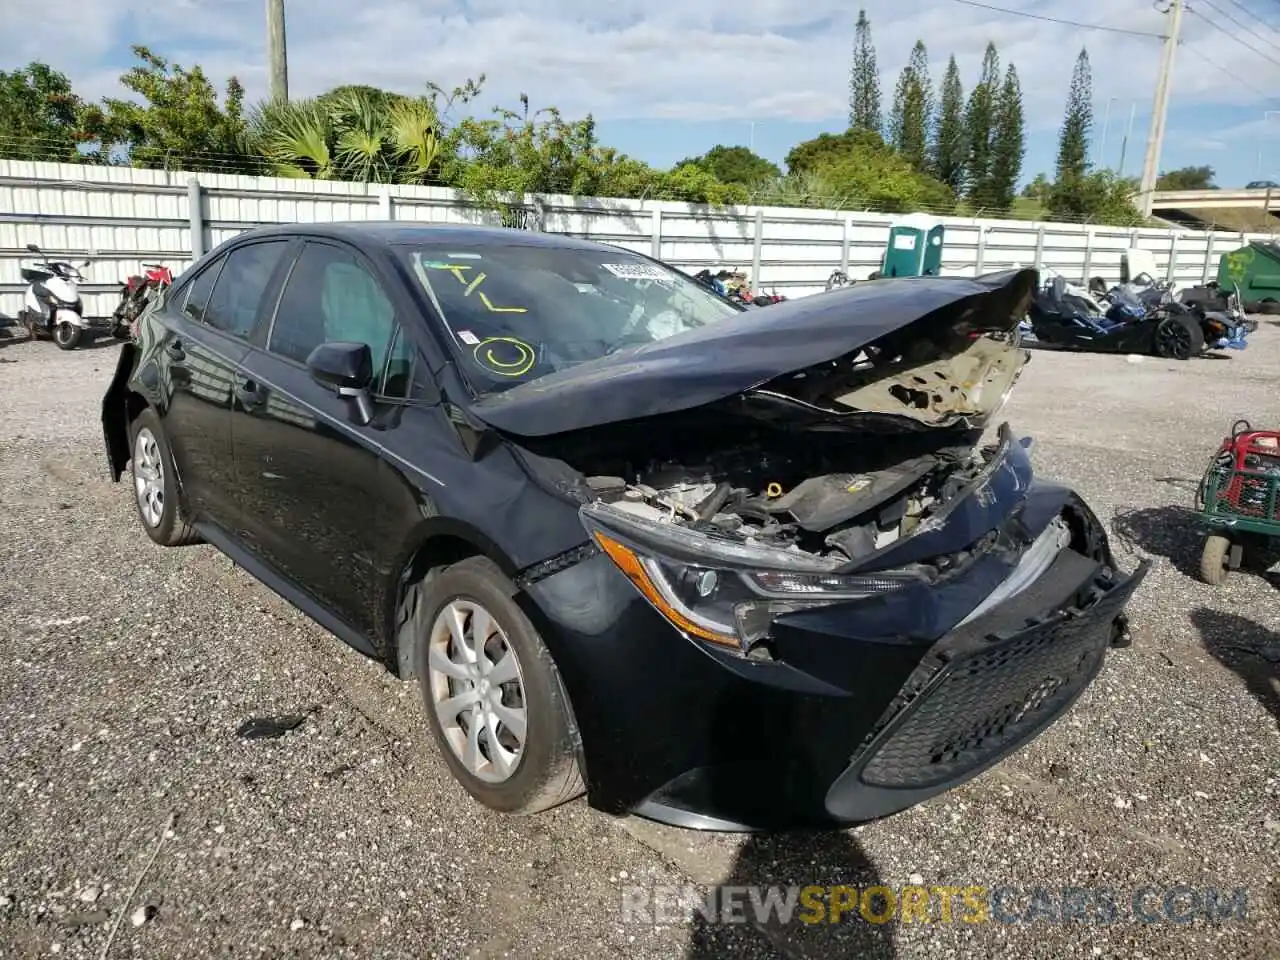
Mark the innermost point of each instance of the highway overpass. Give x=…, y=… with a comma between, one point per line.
x=1190, y=200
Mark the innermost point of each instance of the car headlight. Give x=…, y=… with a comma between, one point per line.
x=721, y=590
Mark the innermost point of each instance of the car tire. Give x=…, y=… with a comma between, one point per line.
x=67, y=335
x=1178, y=337
x=1213, y=560
x=468, y=713
x=155, y=484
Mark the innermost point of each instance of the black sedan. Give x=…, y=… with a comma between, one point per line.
x=721, y=568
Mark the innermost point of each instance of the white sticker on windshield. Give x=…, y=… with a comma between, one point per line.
x=463, y=256
x=469, y=338
x=638, y=271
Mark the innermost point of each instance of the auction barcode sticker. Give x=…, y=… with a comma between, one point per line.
x=637, y=271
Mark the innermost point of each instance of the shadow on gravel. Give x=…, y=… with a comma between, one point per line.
x=798, y=860
x=1170, y=531
x=1249, y=650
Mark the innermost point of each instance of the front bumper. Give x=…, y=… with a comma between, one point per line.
x=866, y=708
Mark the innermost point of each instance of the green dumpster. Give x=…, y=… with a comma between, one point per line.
x=1255, y=268
x=915, y=249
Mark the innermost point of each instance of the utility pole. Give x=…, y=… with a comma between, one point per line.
x=277, y=60
x=1155, y=139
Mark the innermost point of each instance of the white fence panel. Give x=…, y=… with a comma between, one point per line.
x=121, y=218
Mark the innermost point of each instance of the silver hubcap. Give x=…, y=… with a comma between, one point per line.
x=65, y=332
x=148, y=478
x=477, y=690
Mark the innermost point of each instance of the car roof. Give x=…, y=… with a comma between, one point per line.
x=397, y=233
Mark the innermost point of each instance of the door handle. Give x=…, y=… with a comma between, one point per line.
x=175, y=350
x=250, y=394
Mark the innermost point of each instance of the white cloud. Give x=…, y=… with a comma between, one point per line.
x=686, y=59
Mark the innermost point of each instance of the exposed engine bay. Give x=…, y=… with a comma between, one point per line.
x=767, y=499
x=843, y=496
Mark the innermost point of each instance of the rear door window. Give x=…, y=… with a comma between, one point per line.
x=238, y=292
x=196, y=296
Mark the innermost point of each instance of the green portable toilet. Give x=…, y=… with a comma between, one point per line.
x=915, y=248
x=1254, y=268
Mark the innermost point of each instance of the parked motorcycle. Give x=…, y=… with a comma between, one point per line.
x=135, y=293
x=51, y=304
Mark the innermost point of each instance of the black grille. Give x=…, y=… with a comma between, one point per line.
x=982, y=703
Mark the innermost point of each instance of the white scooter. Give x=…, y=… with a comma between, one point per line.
x=51, y=305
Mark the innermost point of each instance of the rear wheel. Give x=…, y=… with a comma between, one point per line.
x=67, y=335
x=1213, y=559
x=494, y=699
x=1178, y=337
x=155, y=484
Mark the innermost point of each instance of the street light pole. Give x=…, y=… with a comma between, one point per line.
x=277, y=59
x=1106, y=122
x=1128, y=134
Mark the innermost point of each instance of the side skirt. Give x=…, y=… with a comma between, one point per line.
x=268, y=577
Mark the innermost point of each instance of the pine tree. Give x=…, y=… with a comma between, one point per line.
x=913, y=108
x=864, y=80
x=979, y=126
x=947, y=149
x=1073, y=143
x=1009, y=144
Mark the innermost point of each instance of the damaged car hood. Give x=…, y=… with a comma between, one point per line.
x=804, y=357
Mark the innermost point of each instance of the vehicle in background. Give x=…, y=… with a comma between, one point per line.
x=51, y=305
x=135, y=293
x=721, y=567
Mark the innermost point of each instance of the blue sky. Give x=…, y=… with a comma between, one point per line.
x=670, y=78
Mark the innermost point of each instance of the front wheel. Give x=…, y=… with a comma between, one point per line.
x=67, y=335
x=494, y=699
x=1214, y=565
x=1178, y=337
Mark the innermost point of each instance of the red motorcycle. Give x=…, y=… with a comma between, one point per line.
x=135, y=294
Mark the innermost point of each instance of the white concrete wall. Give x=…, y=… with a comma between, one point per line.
x=123, y=217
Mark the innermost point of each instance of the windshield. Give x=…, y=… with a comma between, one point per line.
x=517, y=312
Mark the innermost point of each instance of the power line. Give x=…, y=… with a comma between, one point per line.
x=1228, y=33
x=1237, y=78
x=1066, y=23
x=1266, y=23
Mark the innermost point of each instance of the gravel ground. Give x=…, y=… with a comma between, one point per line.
x=129, y=668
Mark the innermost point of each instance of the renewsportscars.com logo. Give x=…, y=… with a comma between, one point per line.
x=818, y=904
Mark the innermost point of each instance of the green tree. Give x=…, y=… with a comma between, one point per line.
x=1187, y=178
x=356, y=132
x=947, y=146
x=979, y=126
x=1077, y=121
x=1098, y=197
x=1038, y=189
x=1008, y=145
x=861, y=170
x=912, y=108
x=179, y=124
x=39, y=115
x=864, y=80
x=735, y=165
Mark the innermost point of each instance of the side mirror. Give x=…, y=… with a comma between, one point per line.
x=347, y=369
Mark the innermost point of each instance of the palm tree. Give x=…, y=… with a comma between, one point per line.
x=350, y=133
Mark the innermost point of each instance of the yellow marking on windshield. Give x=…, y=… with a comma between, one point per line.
x=473, y=286
x=486, y=356
x=485, y=301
